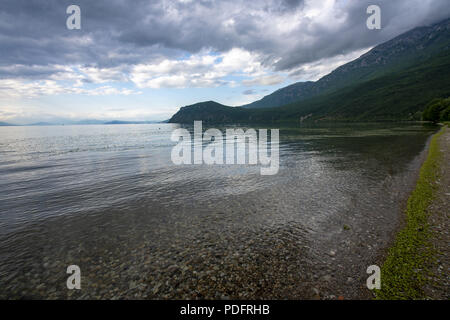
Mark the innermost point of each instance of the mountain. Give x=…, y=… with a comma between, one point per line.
x=398, y=95
x=409, y=48
x=390, y=82
x=61, y=122
x=295, y=92
x=130, y=122
x=208, y=111
x=43, y=124
x=86, y=121
x=89, y=122
x=5, y=124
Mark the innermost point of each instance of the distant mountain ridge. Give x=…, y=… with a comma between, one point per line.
x=406, y=49
x=397, y=62
x=5, y=124
x=83, y=122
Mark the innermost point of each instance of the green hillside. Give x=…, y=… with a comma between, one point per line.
x=412, y=47
x=395, y=96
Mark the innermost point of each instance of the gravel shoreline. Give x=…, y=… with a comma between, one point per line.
x=438, y=284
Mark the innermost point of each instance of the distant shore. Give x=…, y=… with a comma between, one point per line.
x=417, y=264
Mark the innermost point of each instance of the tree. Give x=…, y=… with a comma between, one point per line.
x=437, y=110
x=445, y=114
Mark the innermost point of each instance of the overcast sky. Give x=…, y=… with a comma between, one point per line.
x=142, y=60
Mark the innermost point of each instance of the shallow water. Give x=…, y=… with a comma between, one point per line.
x=108, y=199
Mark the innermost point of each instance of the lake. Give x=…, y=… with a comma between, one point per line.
x=109, y=199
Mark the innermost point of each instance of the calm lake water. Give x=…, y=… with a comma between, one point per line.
x=108, y=199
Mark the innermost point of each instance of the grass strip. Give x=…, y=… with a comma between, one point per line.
x=407, y=265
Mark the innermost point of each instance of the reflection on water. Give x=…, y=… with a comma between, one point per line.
x=109, y=199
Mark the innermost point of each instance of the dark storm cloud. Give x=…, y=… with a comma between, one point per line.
x=396, y=16
x=30, y=72
x=120, y=32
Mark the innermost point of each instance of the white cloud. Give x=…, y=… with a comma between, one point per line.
x=17, y=88
x=103, y=75
x=199, y=70
x=269, y=80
